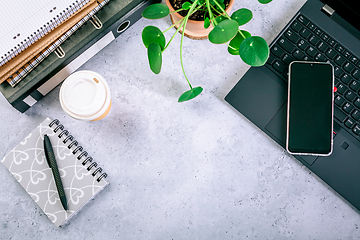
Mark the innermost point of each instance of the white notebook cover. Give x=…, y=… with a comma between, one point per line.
x=24, y=22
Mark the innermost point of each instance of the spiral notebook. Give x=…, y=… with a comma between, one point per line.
x=81, y=177
x=19, y=72
x=25, y=22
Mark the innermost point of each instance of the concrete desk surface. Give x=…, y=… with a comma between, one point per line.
x=193, y=170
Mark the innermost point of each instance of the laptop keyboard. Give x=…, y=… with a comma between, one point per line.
x=303, y=41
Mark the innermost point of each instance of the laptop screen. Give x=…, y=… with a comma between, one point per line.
x=347, y=9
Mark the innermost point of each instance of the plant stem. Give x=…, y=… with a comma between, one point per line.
x=182, y=39
x=213, y=21
x=216, y=10
x=223, y=10
x=231, y=47
x=196, y=9
x=181, y=59
x=191, y=11
x=177, y=30
x=241, y=34
x=172, y=26
x=180, y=9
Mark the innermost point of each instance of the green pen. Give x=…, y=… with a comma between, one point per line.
x=50, y=157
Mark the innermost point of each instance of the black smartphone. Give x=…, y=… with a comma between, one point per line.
x=310, y=108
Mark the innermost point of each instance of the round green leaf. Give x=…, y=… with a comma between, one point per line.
x=254, y=51
x=224, y=32
x=155, y=57
x=236, y=41
x=242, y=16
x=264, y=1
x=192, y=93
x=156, y=11
x=152, y=34
x=186, y=6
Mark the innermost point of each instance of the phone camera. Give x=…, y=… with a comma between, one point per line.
x=311, y=65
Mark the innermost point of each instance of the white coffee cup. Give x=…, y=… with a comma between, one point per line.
x=85, y=95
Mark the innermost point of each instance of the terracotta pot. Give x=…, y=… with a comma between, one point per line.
x=194, y=29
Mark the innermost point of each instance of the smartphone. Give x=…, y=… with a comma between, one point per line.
x=310, y=108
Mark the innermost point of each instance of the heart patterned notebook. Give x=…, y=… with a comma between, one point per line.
x=81, y=177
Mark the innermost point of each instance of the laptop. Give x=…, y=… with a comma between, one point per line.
x=323, y=31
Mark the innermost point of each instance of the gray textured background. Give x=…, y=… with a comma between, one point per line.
x=194, y=170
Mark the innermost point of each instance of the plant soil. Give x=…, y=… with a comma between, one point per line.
x=198, y=15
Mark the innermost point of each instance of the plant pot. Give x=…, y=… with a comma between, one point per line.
x=194, y=29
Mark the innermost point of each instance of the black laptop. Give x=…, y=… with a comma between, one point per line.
x=323, y=31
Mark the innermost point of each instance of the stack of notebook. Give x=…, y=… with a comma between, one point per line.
x=35, y=59
x=38, y=29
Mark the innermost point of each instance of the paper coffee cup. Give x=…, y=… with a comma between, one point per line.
x=85, y=95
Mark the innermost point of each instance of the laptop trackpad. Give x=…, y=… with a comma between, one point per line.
x=277, y=128
x=258, y=95
x=277, y=125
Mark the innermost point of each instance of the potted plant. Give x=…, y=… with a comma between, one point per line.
x=195, y=26
x=253, y=50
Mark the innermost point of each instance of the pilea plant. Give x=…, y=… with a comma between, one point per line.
x=253, y=50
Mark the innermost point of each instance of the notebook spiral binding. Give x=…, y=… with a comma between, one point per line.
x=43, y=30
x=83, y=154
x=21, y=73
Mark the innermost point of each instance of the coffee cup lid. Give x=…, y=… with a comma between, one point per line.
x=83, y=93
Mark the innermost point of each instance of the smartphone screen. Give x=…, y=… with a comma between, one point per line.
x=310, y=108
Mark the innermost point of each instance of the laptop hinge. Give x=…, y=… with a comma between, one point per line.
x=328, y=10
